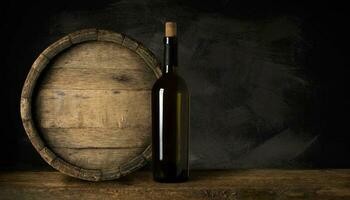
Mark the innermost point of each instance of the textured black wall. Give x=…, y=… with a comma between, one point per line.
x=267, y=80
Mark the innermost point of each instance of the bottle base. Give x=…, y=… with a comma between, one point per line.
x=171, y=180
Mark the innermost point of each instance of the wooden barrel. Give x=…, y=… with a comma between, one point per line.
x=85, y=104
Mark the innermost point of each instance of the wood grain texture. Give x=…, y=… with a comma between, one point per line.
x=93, y=108
x=97, y=137
x=86, y=104
x=99, y=54
x=203, y=185
x=98, y=158
x=98, y=78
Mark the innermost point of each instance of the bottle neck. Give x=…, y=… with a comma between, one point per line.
x=170, y=54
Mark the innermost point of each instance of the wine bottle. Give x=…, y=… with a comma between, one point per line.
x=170, y=117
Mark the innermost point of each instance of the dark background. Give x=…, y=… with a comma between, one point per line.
x=268, y=79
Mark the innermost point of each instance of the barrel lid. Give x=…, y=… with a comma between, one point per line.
x=85, y=104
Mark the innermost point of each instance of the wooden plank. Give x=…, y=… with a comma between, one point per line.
x=105, y=35
x=98, y=54
x=203, y=185
x=130, y=43
x=97, y=137
x=57, y=47
x=97, y=78
x=98, y=158
x=83, y=35
x=29, y=83
x=93, y=108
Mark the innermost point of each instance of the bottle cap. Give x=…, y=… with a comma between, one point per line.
x=170, y=29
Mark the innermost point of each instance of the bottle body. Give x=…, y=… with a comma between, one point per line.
x=170, y=118
x=170, y=128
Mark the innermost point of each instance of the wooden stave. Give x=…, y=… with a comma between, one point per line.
x=41, y=62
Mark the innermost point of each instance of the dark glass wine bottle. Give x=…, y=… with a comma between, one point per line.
x=170, y=117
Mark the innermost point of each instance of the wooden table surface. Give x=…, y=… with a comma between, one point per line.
x=214, y=184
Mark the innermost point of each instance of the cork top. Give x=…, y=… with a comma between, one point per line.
x=170, y=29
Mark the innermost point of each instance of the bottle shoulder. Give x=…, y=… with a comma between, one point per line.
x=171, y=82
